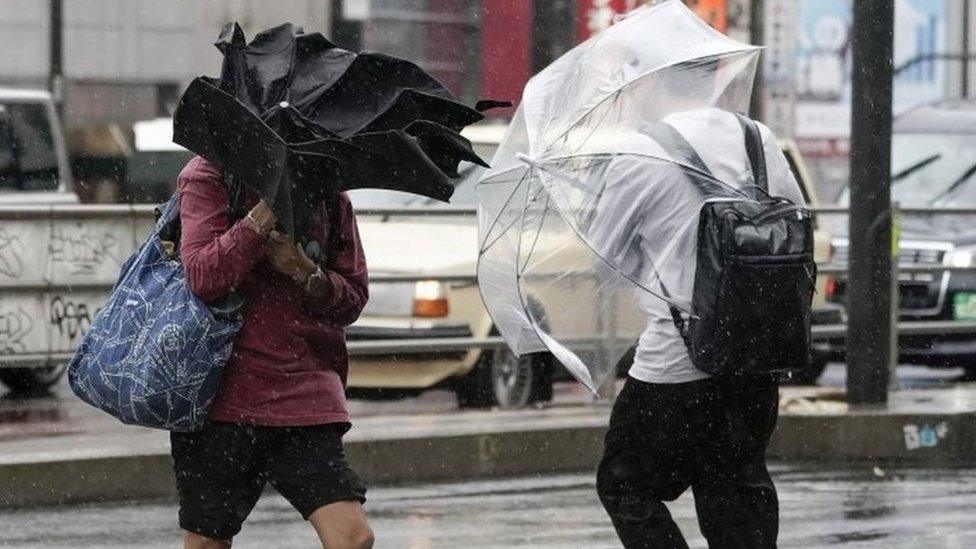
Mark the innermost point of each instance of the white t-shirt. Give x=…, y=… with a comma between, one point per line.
x=620, y=226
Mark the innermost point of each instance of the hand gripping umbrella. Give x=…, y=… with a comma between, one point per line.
x=587, y=216
x=301, y=119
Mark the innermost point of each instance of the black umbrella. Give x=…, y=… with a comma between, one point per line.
x=301, y=119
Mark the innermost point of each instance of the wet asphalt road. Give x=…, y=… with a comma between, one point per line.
x=859, y=508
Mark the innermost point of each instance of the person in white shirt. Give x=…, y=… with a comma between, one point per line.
x=673, y=426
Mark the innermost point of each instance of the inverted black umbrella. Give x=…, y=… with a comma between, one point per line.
x=300, y=119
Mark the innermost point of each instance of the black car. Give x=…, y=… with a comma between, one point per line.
x=934, y=161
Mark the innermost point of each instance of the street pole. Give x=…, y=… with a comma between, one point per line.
x=56, y=61
x=757, y=22
x=965, y=48
x=869, y=349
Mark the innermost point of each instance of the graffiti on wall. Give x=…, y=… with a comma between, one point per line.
x=924, y=436
x=81, y=250
x=15, y=325
x=11, y=254
x=70, y=318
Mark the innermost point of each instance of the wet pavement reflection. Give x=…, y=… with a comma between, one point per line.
x=862, y=507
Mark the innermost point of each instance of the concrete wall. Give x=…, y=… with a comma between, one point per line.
x=120, y=55
x=136, y=40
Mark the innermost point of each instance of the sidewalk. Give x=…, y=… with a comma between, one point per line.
x=113, y=462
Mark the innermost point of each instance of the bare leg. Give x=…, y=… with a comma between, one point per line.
x=196, y=541
x=342, y=525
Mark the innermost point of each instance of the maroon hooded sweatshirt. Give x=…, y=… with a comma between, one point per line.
x=289, y=363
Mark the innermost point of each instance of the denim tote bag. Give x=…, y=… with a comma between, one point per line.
x=154, y=354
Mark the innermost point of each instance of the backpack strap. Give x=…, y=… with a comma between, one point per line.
x=670, y=138
x=755, y=152
x=687, y=156
x=168, y=223
x=673, y=142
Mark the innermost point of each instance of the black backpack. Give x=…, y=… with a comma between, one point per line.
x=754, y=282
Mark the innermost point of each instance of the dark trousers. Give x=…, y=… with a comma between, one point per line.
x=708, y=435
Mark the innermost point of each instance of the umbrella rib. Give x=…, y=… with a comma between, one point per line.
x=570, y=156
x=594, y=129
x=545, y=213
x=649, y=73
x=494, y=223
x=526, y=310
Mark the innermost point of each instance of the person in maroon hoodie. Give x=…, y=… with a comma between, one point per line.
x=280, y=412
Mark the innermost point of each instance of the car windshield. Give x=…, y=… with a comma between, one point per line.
x=932, y=170
x=28, y=161
x=464, y=193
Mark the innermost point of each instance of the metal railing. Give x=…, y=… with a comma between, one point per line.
x=462, y=344
x=819, y=333
x=445, y=345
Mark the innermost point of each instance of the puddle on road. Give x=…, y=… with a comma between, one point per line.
x=34, y=416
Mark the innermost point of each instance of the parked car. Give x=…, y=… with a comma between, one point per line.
x=34, y=167
x=934, y=161
x=448, y=246
x=34, y=171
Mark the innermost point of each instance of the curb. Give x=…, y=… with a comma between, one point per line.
x=879, y=437
x=855, y=437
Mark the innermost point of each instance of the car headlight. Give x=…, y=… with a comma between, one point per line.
x=960, y=257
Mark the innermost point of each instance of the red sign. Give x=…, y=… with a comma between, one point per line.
x=597, y=15
x=506, y=51
x=823, y=148
x=714, y=12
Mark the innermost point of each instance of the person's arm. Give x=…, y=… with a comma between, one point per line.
x=216, y=254
x=338, y=292
x=334, y=293
x=612, y=230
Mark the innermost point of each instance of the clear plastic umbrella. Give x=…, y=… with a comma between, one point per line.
x=606, y=148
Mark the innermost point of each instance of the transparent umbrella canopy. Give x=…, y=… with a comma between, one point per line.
x=605, y=146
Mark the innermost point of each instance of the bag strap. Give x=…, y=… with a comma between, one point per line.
x=755, y=152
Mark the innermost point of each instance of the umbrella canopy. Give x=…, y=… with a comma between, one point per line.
x=588, y=216
x=301, y=119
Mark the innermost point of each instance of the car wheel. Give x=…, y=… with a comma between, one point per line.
x=806, y=376
x=512, y=379
x=32, y=380
x=503, y=380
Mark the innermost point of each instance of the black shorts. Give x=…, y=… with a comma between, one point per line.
x=222, y=469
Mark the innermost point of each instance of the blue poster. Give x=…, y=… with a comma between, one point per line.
x=823, y=71
x=824, y=52
x=920, y=30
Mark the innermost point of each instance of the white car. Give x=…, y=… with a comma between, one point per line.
x=447, y=246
